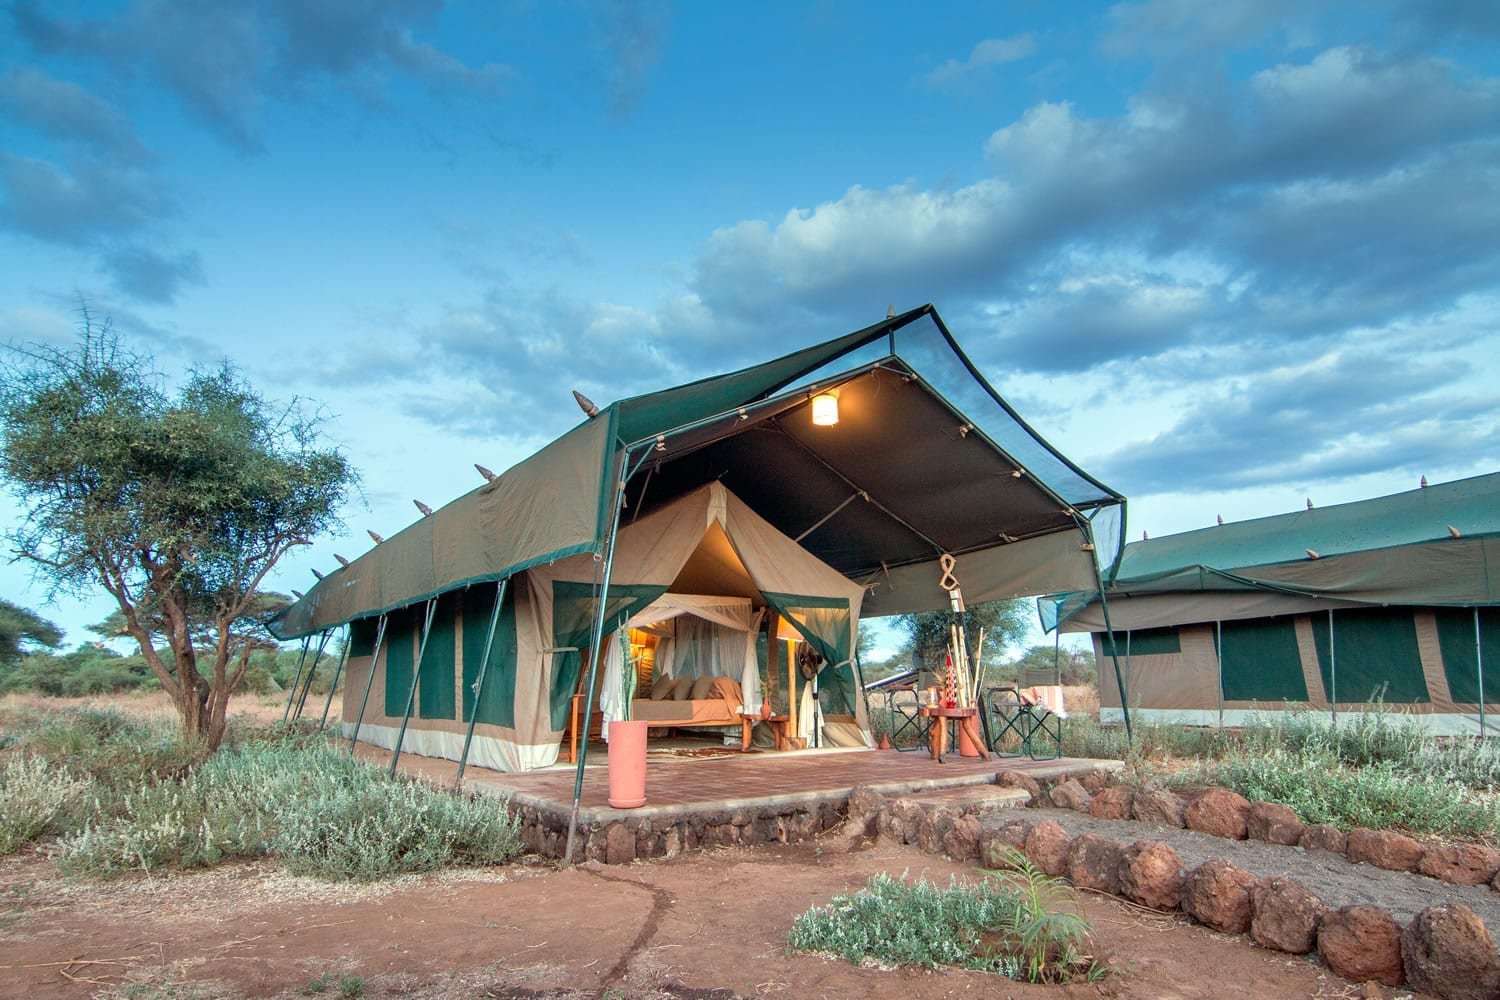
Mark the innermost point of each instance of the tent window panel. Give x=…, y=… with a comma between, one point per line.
x=1144, y=642
x=1377, y=658
x=435, y=696
x=497, y=704
x=362, y=636
x=400, y=646
x=573, y=613
x=1259, y=661
x=1455, y=628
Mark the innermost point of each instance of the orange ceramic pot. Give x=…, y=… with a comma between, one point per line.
x=966, y=747
x=627, y=764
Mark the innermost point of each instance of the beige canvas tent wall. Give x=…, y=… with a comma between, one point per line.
x=537, y=657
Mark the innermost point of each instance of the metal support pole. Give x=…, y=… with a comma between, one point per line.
x=1479, y=667
x=616, y=503
x=338, y=671
x=292, y=691
x=416, y=675
x=369, y=681
x=1087, y=528
x=484, y=664
x=307, y=684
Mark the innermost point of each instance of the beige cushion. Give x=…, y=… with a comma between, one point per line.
x=703, y=688
x=661, y=687
x=681, y=689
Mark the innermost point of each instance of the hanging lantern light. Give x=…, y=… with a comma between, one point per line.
x=825, y=409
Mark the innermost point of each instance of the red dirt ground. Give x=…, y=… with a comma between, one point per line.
x=710, y=922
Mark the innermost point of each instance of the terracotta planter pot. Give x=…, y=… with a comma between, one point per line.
x=627, y=764
x=966, y=747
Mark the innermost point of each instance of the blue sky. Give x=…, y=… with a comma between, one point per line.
x=1227, y=256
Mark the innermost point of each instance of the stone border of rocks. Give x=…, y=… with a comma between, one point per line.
x=1445, y=950
x=1223, y=813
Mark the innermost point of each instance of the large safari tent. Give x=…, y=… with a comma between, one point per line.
x=720, y=515
x=1388, y=604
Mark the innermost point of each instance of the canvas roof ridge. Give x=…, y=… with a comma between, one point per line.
x=1331, y=530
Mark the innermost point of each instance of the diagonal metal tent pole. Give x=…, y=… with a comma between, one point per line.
x=616, y=504
x=369, y=680
x=338, y=671
x=416, y=675
x=484, y=671
x=292, y=691
x=1087, y=527
x=307, y=684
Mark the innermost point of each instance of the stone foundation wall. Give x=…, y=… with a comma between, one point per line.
x=666, y=835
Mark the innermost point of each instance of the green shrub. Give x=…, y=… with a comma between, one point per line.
x=318, y=811
x=33, y=795
x=1010, y=925
x=1321, y=788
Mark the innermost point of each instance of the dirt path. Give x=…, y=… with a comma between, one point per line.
x=706, y=925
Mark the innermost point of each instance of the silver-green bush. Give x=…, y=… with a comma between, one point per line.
x=32, y=797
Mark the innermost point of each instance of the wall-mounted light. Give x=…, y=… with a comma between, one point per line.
x=825, y=409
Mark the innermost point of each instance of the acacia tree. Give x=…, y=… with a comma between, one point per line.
x=22, y=631
x=928, y=632
x=177, y=504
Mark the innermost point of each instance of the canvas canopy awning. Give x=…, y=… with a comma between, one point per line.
x=927, y=460
x=1434, y=546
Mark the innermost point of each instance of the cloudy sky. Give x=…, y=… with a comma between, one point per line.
x=1227, y=256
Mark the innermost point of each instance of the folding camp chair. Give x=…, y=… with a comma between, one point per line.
x=1016, y=724
x=909, y=729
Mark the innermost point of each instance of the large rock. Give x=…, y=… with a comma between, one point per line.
x=619, y=844
x=937, y=822
x=1157, y=805
x=1113, y=802
x=1220, y=812
x=1217, y=894
x=1273, y=823
x=1362, y=943
x=998, y=845
x=1461, y=864
x=1020, y=779
x=1447, y=952
x=1285, y=916
x=1395, y=852
x=961, y=843
x=1071, y=795
x=1094, y=862
x=1047, y=847
x=1322, y=837
x=900, y=820
x=864, y=813
x=1152, y=875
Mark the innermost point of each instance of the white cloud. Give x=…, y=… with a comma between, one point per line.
x=990, y=52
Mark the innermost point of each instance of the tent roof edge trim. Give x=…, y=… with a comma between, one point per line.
x=556, y=502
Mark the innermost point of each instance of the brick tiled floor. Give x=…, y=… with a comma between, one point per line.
x=740, y=780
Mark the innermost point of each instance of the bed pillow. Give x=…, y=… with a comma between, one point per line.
x=681, y=689
x=703, y=688
x=661, y=687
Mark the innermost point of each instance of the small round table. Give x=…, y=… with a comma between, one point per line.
x=776, y=722
x=967, y=719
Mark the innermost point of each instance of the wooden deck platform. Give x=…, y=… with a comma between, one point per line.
x=760, y=796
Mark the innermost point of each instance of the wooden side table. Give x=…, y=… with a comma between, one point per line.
x=777, y=723
x=968, y=721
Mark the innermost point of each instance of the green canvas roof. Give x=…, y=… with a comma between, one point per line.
x=927, y=460
x=1437, y=545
